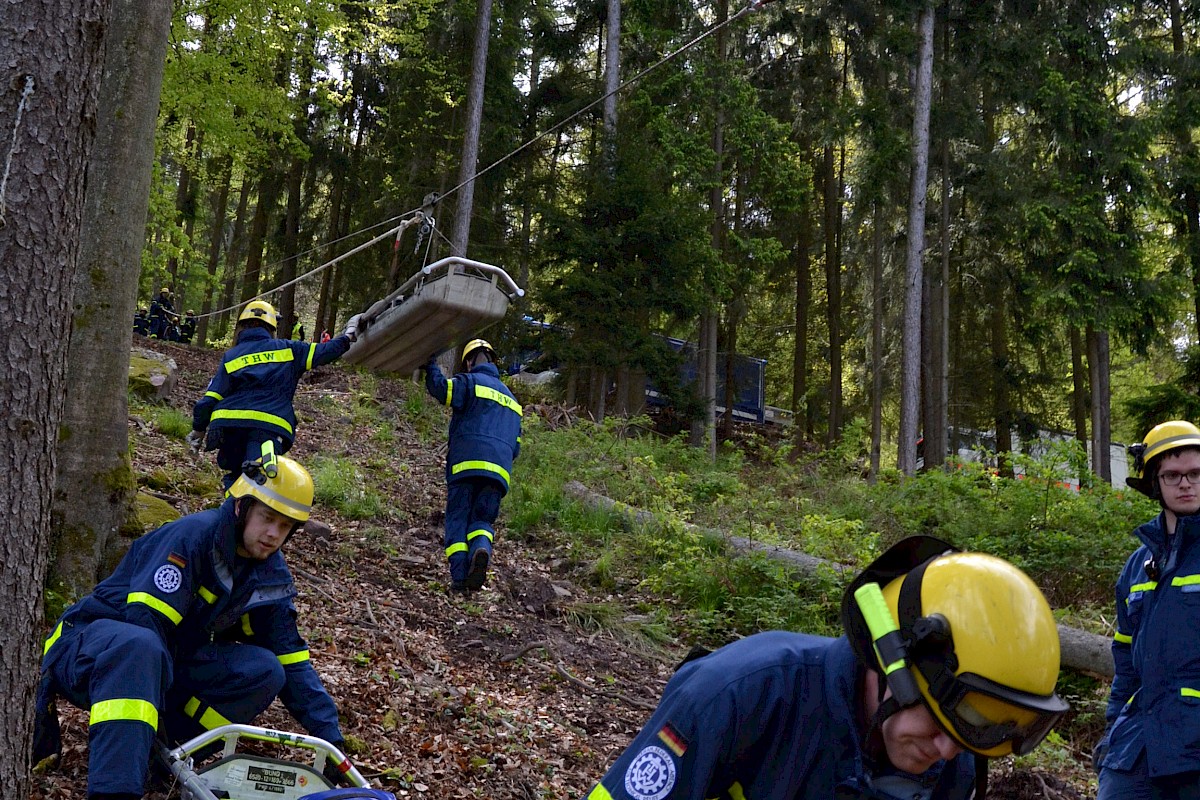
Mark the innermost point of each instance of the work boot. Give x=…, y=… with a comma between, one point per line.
x=459, y=587
x=479, y=567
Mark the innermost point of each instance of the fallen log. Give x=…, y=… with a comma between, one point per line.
x=1080, y=650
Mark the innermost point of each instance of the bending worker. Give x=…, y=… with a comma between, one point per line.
x=949, y=658
x=1151, y=748
x=194, y=629
x=485, y=437
x=247, y=408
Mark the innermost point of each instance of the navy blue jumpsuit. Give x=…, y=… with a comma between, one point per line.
x=485, y=438
x=1152, y=744
x=249, y=400
x=184, y=636
x=769, y=717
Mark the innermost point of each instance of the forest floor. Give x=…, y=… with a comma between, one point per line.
x=508, y=693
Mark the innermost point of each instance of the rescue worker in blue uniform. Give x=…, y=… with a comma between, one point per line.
x=247, y=409
x=970, y=654
x=162, y=314
x=485, y=437
x=196, y=628
x=187, y=329
x=1151, y=747
x=141, y=323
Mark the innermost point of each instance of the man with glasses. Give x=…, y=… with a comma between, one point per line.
x=949, y=659
x=1151, y=748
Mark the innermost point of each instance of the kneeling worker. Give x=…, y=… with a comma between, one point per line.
x=950, y=658
x=194, y=629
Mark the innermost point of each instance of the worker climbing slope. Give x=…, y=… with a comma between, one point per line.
x=485, y=437
x=247, y=409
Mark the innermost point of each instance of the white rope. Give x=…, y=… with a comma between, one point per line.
x=12, y=146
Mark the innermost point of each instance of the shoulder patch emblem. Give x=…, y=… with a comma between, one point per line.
x=651, y=774
x=168, y=578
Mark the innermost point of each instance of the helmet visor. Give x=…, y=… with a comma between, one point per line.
x=986, y=715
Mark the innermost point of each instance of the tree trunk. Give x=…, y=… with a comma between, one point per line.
x=216, y=238
x=911, y=371
x=234, y=257
x=1098, y=368
x=1187, y=147
x=1080, y=401
x=800, y=347
x=268, y=193
x=612, y=79
x=876, y=338
x=470, y=150
x=53, y=51
x=185, y=202
x=1001, y=411
x=833, y=293
x=95, y=480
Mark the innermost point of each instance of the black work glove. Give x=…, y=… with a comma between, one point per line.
x=331, y=772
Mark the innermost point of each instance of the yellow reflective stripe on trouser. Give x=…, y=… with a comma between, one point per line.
x=282, y=355
x=449, y=391
x=211, y=718
x=487, y=466
x=1123, y=638
x=52, y=639
x=599, y=793
x=736, y=793
x=457, y=547
x=1186, y=692
x=481, y=532
x=214, y=396
x=156, y=604
x=293, y=658
x=488, y=393
x=124, y=709
x=257, y=416
x=312, y=351
x=246, y=629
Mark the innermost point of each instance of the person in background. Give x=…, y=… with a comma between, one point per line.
x=187, y=330
x=141, y=322
x=297, y=329
x=195, y=628
x=162, y=314
x=1151, y=746
x=246, y=413
x=949, y=659
x=485, y=438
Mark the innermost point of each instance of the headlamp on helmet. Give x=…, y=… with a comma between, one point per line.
x=968, y=634
x=289, y=491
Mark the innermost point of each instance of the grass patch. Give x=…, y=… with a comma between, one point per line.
x=338, y=483
x=169, y=421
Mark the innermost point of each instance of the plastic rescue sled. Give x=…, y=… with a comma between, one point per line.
x=249, y=776
x=441, y=306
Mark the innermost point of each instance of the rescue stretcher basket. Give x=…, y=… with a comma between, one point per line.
x=443, y=305
x=249, y=776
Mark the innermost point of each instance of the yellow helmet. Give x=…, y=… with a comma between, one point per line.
x=472, y=346
x=290, y=492
x=165, y=290
x=262, y=311
x=1162, y=439
x=967, y=634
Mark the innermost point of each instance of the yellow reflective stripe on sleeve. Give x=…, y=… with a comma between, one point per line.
x=1186, y=692
x=457, y=547
x=280, y=356
x=293, y=658
x=481, y=532
x=736, y=793
x=312, y=352
x=1185, y=580
x=124, y=709
x=246, y=629
x=488, y=393
x=1148, y=586
x=1123, y=638
x=206, y=595
x=449, y=391
x=599, y=793
x=156, y=604
x=52, y=639
x=487, y=466
x=214, y=396
x=260, y=416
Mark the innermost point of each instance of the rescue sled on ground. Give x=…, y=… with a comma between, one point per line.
x=441, y=306
x=249, y=776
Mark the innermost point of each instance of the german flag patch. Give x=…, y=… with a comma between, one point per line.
x=673, y=739
x=177, y=560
